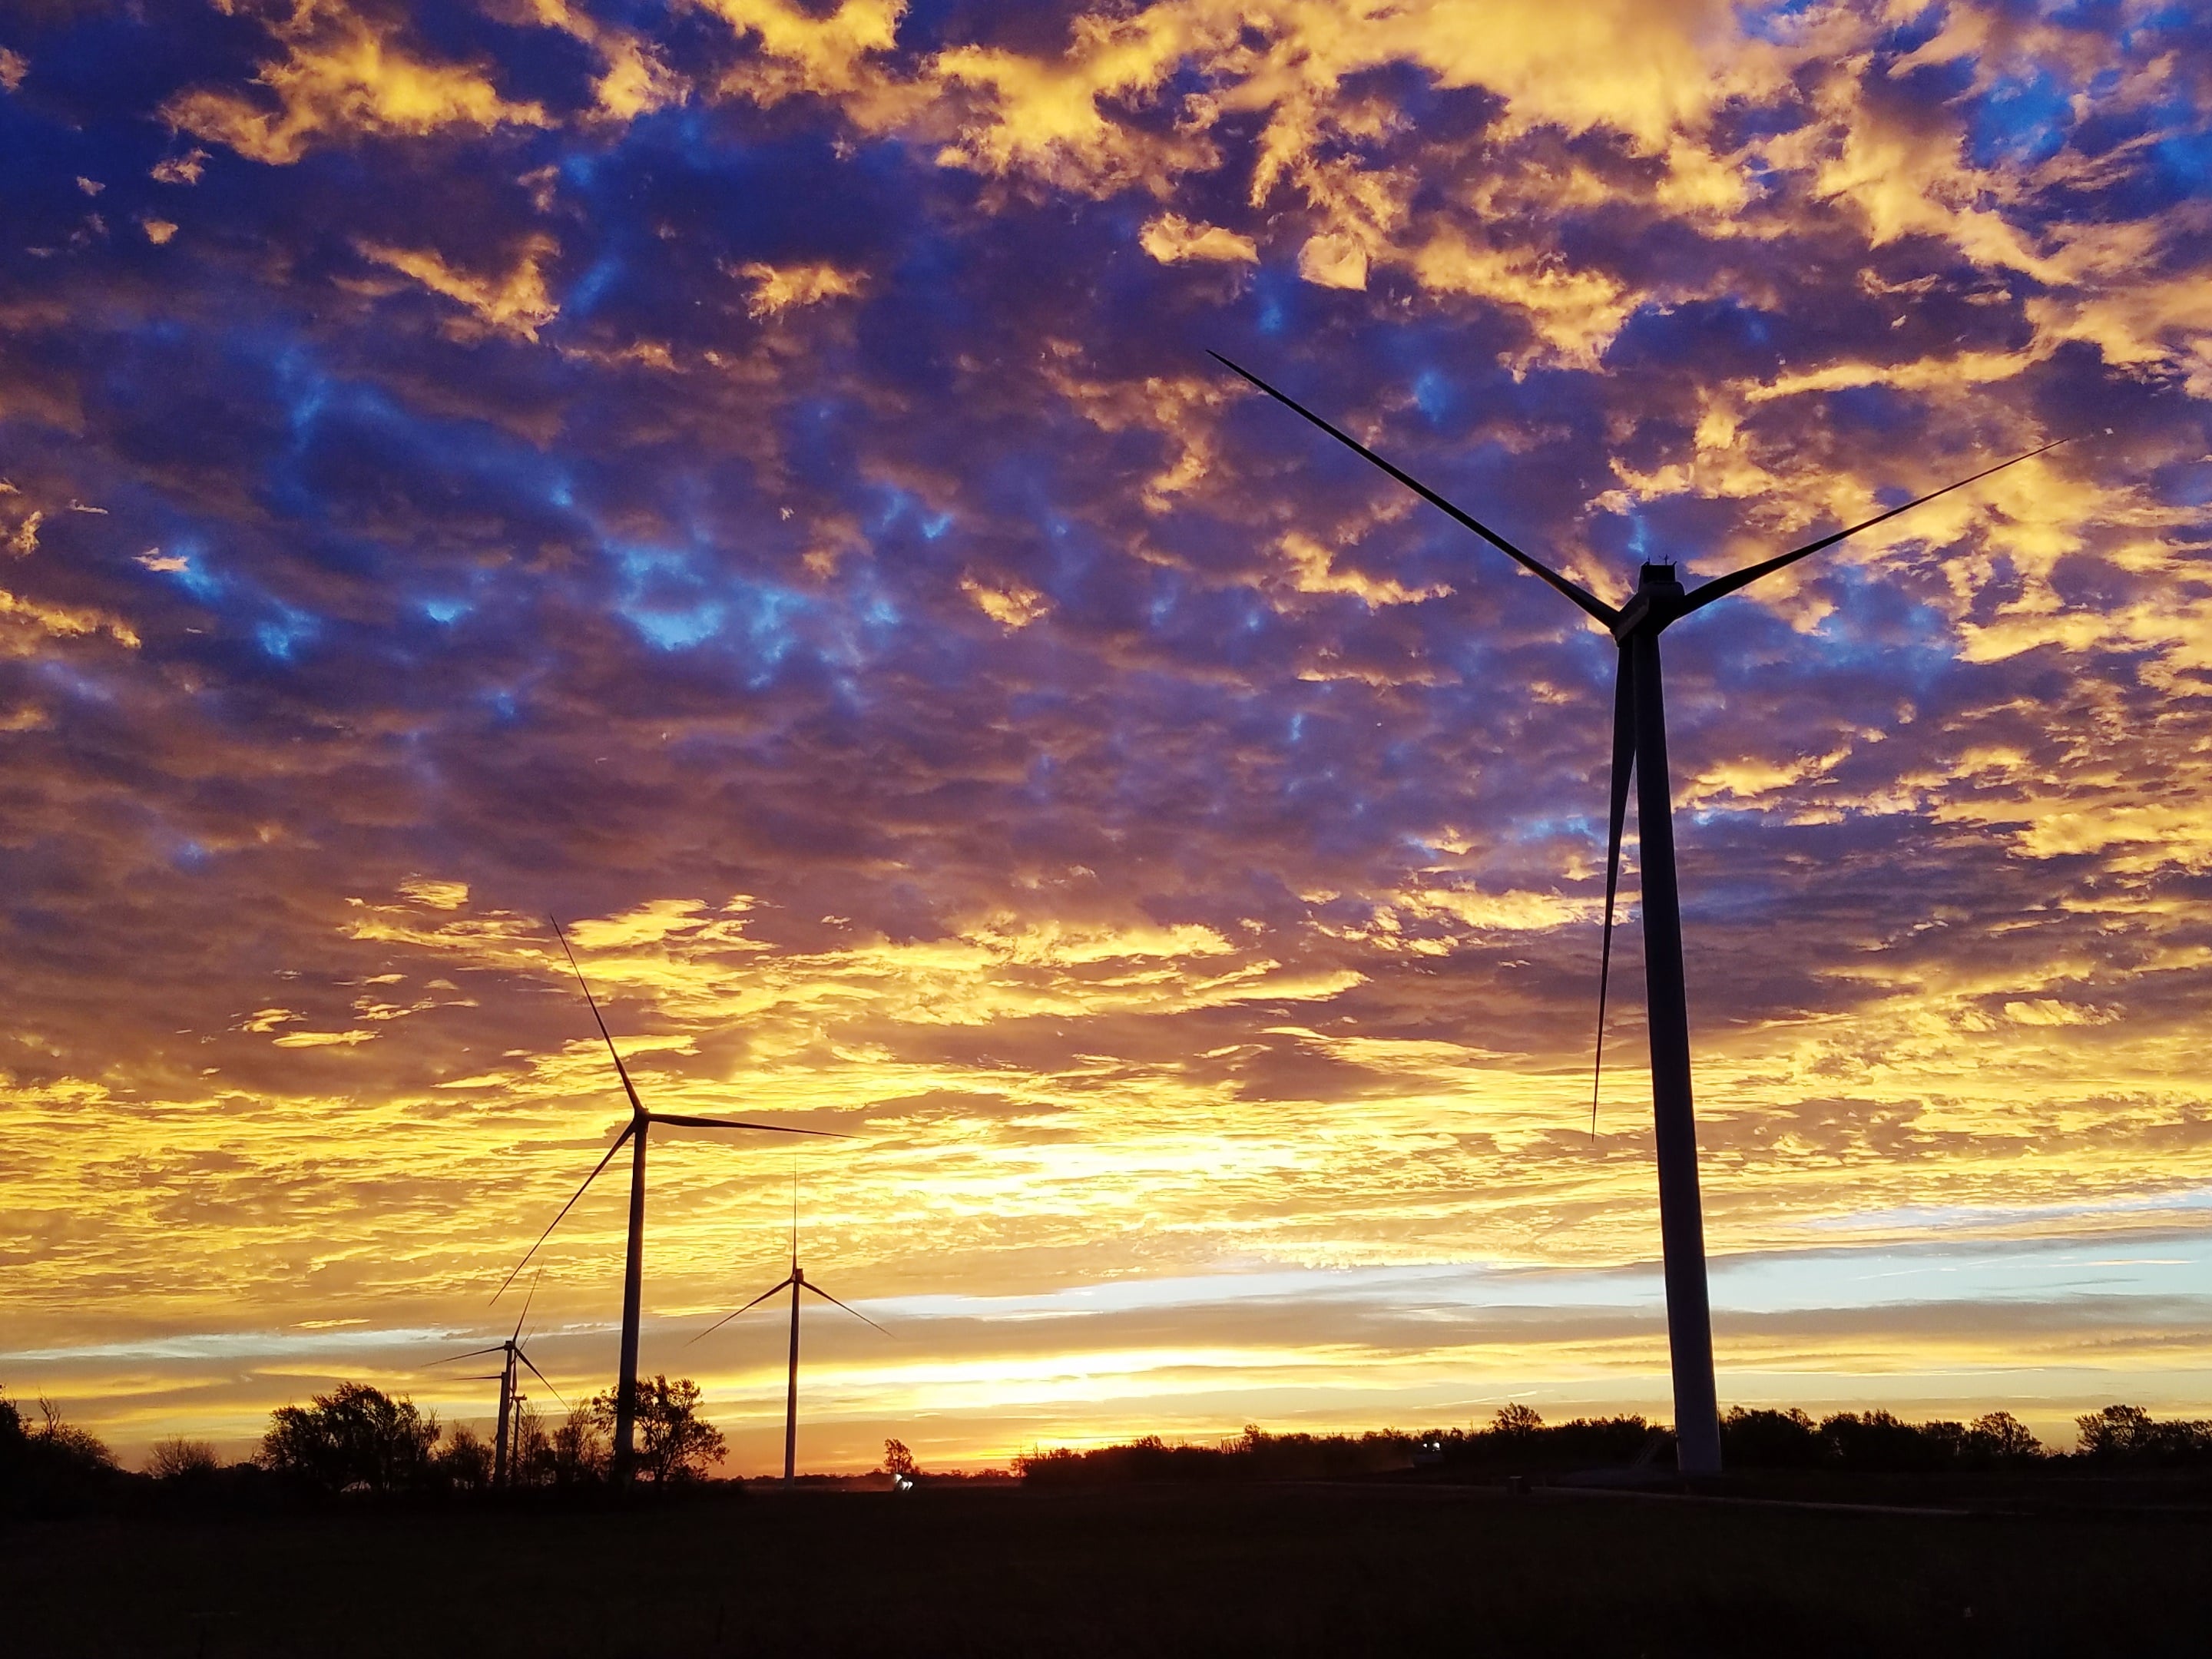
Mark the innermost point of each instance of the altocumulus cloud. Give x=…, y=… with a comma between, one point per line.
x=747, y=477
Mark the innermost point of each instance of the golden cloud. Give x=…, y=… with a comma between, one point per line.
x=777, y=290
x=1170, y=239
x=1313, y=570
x=517, y=303
x=24, y=623
x=1007, y=602
x=343, y=75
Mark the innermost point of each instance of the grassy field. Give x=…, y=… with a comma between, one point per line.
x=1377, y=1569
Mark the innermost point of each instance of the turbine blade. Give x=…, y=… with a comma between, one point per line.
x=809, y=1285
x=1722, y=587
x=535, y=1281
x=733, y=1123
x=1624, y=766
x=1588, y=601
x=629, y=1129
x=455, y=1358
x=622, y=1071
x=771, y=1291
x=542, y=1378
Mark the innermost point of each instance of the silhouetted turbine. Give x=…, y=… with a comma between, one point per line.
x=796, y=1282
x=1639, y=747
x=634, y=1132
x=506, y=1377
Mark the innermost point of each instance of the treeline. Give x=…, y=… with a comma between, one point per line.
x=50, y=1464
x=1256, y=1456
x=1874, y=1442
x=354, y=1439
x=2116, y=1437
x=1518, y=1440
x=357, y=1438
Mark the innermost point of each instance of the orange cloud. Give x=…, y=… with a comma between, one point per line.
x=343, y=75
x=517, y=303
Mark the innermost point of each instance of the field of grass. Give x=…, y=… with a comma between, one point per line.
x=1336, y=1570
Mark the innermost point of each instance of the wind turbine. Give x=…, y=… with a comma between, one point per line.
x=795, y=1282
x=1639, y=748
x=502, y=1455
x=634, y=1132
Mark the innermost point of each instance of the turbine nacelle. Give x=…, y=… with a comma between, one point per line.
x=1658, y=600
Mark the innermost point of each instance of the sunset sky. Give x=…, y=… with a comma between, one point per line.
x=745, y=476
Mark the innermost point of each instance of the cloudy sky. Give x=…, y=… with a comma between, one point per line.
x=745, y=476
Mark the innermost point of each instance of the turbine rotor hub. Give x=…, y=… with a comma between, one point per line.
x=1657, y=601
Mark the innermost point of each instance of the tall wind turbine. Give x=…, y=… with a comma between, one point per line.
x=509, y=1395
x=794, y=1282
x=634, y=1132
x=1639, y=747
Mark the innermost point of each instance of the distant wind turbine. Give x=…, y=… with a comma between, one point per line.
x=510, y=1396
x=1639, y=747
x=634, y=1132
x=795, y=1282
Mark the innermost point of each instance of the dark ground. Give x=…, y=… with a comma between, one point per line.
x=1355, y=1569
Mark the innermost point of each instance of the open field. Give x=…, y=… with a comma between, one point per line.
x=1345, y=1569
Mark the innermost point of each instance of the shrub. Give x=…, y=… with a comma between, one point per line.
x=181, y=1460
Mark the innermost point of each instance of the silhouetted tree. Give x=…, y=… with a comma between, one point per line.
x=2116, y=1432
x=465, y=1461
x=53, y=1468
x=1518, y=1439
x=579, y=1449
x=1516, y=1421
x=1875, y=1441
x=1878, y=1440
x=897, y=1460
x=2000, y=1437
x=531, y=1458
x=1771, y=1440
x=2129, y=1434
x=674, y=1443
x=67, y=1442
x=181, y=1460
x=354, y=1436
